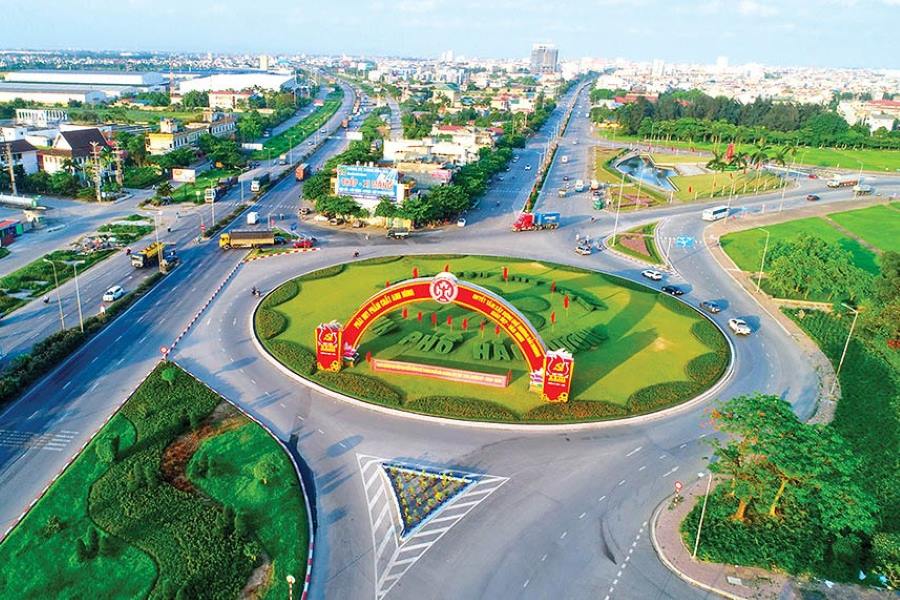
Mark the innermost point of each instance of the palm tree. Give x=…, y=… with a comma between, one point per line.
x=758, y=156
x=68, y=165
x=716, y=163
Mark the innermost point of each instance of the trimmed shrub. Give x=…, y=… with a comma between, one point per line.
x=379, y=260
x=323, y=273
x=706, y=368
x=294, y=356
x=461, y=407
x=360, y=386
x=676, y=306
x=576, y=410
x=286, y=291
x=886, y=554
x=531, y=303
x=662, y=395
x=709, y=335
x=270, y=323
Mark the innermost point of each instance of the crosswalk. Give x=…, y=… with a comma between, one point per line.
x=395, y=553
x=29, y=440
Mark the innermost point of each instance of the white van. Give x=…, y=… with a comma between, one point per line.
x=252, y=218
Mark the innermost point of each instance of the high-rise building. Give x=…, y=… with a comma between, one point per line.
x=544, y=58
x=722, y=63
x=658, y=69
x=264, y=62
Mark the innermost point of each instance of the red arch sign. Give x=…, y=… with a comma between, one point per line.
x=445, y=288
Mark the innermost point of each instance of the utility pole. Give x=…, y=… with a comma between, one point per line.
x=120, y=174
x=12, y=170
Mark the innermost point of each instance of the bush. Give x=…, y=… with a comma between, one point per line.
x=575, y=410
x=676, y=306
x=662, y=395
x=270, y=323
x=379, y=260
x=706, y=368
x=709, y=335
x=286, y=291
x=323, y=273
x=461, y=407
x=294, y=356
x=360, y=386
x=531, y=304
x=886, y=556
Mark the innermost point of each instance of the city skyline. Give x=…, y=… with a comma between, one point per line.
x=799, y=33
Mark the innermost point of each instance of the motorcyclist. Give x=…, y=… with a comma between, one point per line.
x=356, y=254
x=46, y=299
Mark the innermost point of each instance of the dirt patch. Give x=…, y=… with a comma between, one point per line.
x=259, y=581
x=177, y=455
x=635, y=242
x=661, y=344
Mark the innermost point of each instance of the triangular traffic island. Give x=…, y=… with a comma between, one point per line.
x=420, y=493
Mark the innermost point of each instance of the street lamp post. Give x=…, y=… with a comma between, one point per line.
x=762, y=261
x=62, y=320
x=290, y=581
x=846, y=345
x=702, y=514
x=75, y=264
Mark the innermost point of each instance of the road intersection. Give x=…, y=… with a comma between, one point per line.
x=571, y=514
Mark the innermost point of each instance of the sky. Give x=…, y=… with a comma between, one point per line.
x=828, y=33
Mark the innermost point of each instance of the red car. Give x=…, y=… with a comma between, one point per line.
x=305, y=242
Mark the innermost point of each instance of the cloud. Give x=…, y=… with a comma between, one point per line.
x=752, y=8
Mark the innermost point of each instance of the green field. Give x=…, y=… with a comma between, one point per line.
x=133, y=115
x=870, y=160
x=745, y=247
x=649, y=339
x=673, y=159
x=876, y=225
x=194, y=192
x=295, y=134
x=158, y=507
x=719, y=185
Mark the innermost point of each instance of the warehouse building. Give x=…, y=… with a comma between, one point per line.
x=45, y=93
x=238, y=82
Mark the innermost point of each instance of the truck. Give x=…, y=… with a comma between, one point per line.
x=862, y=190
x=840, y=181
x=579, y=185
x=345, y=123
x=282, y=160
x=147, y=257
x=527, y=221
x=595, y=185
x=247, y=239
x=258, y=182
x=252, y=218
x=562, y=192
x=210, y=194
x=301, y=171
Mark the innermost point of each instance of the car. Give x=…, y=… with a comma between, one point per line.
x=672, y=290
x=710, y=307
x=508, y=169
x=584, y=248
x=739, y=326
x=651, y=274
x=304, y=242
x=113, y=293
x=398, y=234
x=574, y=142
x=812, y=197
x=565, y=177
x=305, y=210
x=336, y=221
x=499, y=177
x=527, y=167
x=310, y=143
x=461, y=222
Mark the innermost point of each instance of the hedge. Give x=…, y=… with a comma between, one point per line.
x=297, y=358
x=270, y=323
x=576, y=410
x=706, y=368
x=286, y=291
x=323, y=273
x=461, y=407
x=531, y=303
x=662, y=395
x=709, y=335
x=360, y=386
x=379, y=260
x=676, y=306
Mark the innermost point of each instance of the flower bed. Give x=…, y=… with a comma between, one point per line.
x=421, y=493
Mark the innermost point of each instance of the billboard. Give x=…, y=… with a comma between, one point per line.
x=328, y=346
x=184, y=175
x=355, y=136
x=366, y=182
x=558, y=366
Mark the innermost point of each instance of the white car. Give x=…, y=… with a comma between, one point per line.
x=461, y=222
x=739, y=326
x=527, y=167
x=113, y=293
x=651, y=274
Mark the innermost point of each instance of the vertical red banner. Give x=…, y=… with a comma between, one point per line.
x=558, y=368
x=329, y=340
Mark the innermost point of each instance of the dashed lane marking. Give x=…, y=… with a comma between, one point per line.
x=635, y=451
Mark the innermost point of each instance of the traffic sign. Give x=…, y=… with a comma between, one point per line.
x=164, y=350
x=202, y=227
x=678, y=486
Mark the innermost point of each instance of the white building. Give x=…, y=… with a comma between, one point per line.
x=41, y=117
x=238, y=82
x=50, y=93
x=101, y=78
x=23, y=154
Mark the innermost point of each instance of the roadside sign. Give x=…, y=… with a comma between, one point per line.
x=293, y=227
x=202, y=227
x=678, y=486
x=164, y=350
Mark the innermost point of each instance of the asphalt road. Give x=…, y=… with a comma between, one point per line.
x=564, y=513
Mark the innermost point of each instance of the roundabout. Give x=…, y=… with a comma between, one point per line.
x=507, y=341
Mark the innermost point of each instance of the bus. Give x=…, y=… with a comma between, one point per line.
x=715, y=213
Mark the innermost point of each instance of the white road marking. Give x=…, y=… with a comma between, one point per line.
x=601, y=498
x=119, y=362
x=683, y=446
x=670, y=471
x=141, y=341
x=635, y=451
x=582, y=515
x=543, y=558
x=525, y=585
x=622, y=482
x=564, y=534
x=68, y=383
x=642, y=467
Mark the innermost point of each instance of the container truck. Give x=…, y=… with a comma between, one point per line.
x=247, y=239
x=301, y=171
x=537, y=220
x=258, y=182
x=840, y=181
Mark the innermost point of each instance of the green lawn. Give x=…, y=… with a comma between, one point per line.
x=293, y=135
x=134, y=115
x=877, y=225
x=871, y=160
x=162, y=528
x=745, y=247
x=719, y=185
x=194, y=192
x=672, y=159
x=649, y=337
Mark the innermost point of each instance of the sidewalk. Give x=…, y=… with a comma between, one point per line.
x=734, y=582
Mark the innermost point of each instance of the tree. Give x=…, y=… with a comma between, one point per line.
x=265, y=469
x=316, y=185
x=339, y=206
x=164, y=192
x=195, y=99
x=168, y=375
x=386, y=208
x=108, y=448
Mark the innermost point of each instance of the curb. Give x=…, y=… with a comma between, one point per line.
x=205, y=305
x=284, y=447
x=671, y=567
x=530, y=428
x=291, y=251
x=72, y=458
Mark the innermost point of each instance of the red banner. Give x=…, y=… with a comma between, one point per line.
x=558, y=367
x=329, y=339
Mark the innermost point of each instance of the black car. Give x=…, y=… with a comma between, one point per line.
x=812, y=197
x=710, y=307
x=671, y=289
